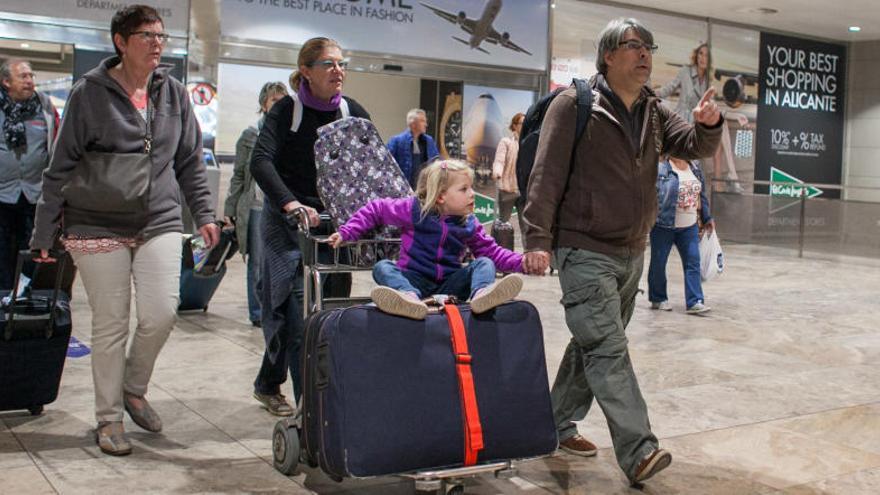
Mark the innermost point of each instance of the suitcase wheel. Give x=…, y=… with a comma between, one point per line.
x=285, y=448
x=36, y=410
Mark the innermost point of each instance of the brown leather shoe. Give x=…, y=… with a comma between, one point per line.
x=653, y=463
x=276, y=404
x=110, y=437
x=579, y=445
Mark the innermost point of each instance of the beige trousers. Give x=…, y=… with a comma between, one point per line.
x=155, y=269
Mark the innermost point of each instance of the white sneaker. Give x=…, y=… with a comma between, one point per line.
x=399, y=303
x=496, y=294
x=698, y=308
x=662, y=306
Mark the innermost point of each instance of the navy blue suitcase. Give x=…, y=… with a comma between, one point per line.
x=34, y=334
x=381, y=393
x=197, y=287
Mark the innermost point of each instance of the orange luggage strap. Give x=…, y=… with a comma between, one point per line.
x=473, y=430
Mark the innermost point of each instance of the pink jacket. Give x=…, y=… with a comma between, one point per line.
x=505, y=164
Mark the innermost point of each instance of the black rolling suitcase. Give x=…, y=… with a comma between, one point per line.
x=34, y=334
x=387, y=395
x=200, y=280
x=502, y=231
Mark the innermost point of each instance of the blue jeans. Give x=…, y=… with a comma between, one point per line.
x=462, y=284
x=687, y=242
x=284, y=327
x=255, y=256
x=290, y=337
x=16, y=225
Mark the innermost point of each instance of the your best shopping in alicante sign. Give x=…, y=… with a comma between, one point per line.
x=800, y=114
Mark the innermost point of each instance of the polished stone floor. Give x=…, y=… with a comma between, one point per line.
x=776, y=391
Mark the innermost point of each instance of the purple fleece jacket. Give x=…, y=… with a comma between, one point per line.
x=433, y=246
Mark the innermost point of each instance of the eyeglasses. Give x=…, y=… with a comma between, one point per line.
x=638, y=45
x=148, y=36
x=329, y=64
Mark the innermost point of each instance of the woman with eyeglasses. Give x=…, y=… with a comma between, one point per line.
x=128, y=145
x=283, y=164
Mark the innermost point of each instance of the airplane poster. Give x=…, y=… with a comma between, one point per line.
x=506, y=33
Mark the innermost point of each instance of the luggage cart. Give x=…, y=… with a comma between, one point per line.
x=287, y=452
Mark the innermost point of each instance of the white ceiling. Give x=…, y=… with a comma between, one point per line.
x=818, y=18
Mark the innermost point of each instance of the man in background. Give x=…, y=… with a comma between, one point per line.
x=28, y=124
x=413, y=148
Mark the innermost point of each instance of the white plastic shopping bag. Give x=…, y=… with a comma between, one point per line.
x=711, y=256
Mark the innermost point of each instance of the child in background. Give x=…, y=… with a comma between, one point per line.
x=437, y=227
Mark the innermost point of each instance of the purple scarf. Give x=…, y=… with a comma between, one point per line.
x=308, y=99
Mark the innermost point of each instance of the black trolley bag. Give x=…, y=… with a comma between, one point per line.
x=197, y=287
x=34, y=335
x=384, y=395
x=502, y=231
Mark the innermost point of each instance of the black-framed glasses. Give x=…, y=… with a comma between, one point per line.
x=329, y=64
x=148, y=36
x=638, y=45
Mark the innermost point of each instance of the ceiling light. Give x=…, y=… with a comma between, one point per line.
x=27, y=45
x=854, y=29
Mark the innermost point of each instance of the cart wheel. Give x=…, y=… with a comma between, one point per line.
x=285, y=448
x=454, y=489
x=36, y=410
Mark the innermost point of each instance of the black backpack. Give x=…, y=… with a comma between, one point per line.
x=531, y=130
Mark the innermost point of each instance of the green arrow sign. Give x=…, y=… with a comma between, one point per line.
x=484, y=208
x=793, y=190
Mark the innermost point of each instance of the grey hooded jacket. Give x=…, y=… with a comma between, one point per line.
x=100, y=117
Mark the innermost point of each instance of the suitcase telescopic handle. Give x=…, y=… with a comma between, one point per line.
x=24, y=254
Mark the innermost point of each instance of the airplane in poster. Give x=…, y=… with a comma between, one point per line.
x=480, y=29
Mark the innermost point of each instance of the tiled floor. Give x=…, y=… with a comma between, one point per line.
x=776, y=391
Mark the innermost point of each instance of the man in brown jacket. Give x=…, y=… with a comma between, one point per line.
x=594, y=208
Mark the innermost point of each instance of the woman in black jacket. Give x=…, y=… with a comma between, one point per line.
x=283, y=164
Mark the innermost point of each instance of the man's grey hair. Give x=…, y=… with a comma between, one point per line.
x=6, y=68
x=613, y=34
x=412, y=114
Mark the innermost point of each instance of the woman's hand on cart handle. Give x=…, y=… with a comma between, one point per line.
x=335, y=240
x=303, y=212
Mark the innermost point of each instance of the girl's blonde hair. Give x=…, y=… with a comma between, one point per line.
x=435, y=179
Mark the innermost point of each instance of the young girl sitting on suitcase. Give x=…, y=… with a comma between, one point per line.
x=437, y=226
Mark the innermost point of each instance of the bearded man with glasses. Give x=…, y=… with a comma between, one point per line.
x=592, y=200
